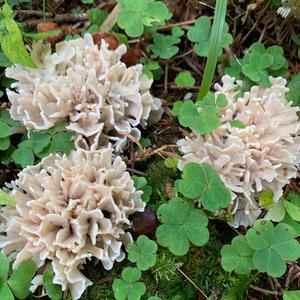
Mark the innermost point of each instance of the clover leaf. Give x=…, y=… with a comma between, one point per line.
x=185, y=79
x=18, y=284
x=201, y=181
x=129, y=287
x=237, y=256
x=289, y=206
x=182, y=224
x=41, y=144
x=292, y=205
x=54, y=291
x=294, y=87
x=277, y=212
x=141, y=184
x=152, y=69
x=200, y=34
x=143, y=253
x=257, y=65
x=256, y=68
x=4, y=130
x=291, y=295
x=164, y=45
x=272, y=245
x=135, y=14
x=202, y=115
x=20, y=280
x=23, y=156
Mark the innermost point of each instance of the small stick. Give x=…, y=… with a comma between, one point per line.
x=63, y=18
x=166, y=79
x=288, y=277
x=111, y=20
x=267, y=292
x=193, y=283
x=136, y=171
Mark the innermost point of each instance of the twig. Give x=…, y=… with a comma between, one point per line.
x=179, y=24
x=267, y=292
x=273, y=287
x=166, y=79
x=132, y=138
x=256, y=22
x=136, y=171
x=193, y=283
x=105, y=279
x=34, y=13
x=63, y=18
x=111, y=20
x=288, y=277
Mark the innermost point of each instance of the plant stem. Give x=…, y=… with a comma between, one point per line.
x=215, y=47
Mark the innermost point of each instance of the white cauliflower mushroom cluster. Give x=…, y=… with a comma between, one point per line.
x=88, y=86
x=71, y=209
x=260, y=155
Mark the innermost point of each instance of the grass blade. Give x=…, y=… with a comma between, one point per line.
x=214, y=48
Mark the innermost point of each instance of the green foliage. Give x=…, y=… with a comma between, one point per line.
x=296, y=40
x=185, y=79
x=154, y=298
x=134, y=15
x=165, y=267
x=200, y=35
x=141, y=184
x=7, y=128
x=237, y=124
x=201, y=181
x=12, y=3
x=96, y=16
x=42, y=143
x=11, y=39
x=143, y=253
x=152, y=68
x=294, y=86
x=5, y=199
x=36, y=36
x=182, y=224
x=258, y=64
x=215, y=47
x=166, y=177
x=164, y=45
x=265, y=198
x=18, y=283
x=129, y=287
x=291, y=295
x=87, y=1
x=53, y=291
x=266, y=248
x=4, y=62
x=238, y=286
x=202, y=115
x=290, y=206
x=171, y=163
x=273, y=246
x=237, y=256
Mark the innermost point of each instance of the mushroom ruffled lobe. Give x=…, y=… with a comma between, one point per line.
x=71, y=209
x=260, y=156
x=87, y=85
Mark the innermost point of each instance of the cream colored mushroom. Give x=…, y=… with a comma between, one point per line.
x=263, y=155
x=70, y=210
x=86, y=85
